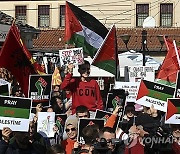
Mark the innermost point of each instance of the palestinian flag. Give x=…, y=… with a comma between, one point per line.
x=151, y=93
x=106, y=57
x=83, y=30
x=168, y=71
x=173, y=111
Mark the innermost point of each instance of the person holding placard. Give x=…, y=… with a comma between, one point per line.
x=85, y=91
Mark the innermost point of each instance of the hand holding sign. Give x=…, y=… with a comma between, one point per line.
x=6, y=132
x=70, y=67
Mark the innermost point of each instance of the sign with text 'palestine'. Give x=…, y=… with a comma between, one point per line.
x=151, y=93
x=40, y=89
x=14, y=113
x=173, y=111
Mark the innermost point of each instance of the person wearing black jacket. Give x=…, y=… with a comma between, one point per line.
x=22, y=142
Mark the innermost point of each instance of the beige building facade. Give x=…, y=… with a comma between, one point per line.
x=122, y=13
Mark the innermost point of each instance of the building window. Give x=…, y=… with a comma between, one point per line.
x=20, y=14
x=62, y=15
x=142, y=12
x=166, y=15
x=43, y=16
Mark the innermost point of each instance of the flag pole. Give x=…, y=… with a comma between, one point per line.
x=177, y=54
x=13, y=22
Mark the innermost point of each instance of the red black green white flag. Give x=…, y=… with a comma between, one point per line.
x=173, y=111
x=151, y=93
x=106, y=57
x=168, y=71
x=83, y=30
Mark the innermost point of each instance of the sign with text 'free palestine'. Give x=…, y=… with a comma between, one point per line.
x=14, y=113
x=40, y=89
x=151, y=93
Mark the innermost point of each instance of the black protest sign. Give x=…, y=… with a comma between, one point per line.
x=116, y=97
x=105, y=116
x=60, y=119
x=4, y=90
x=40, y=89
x=85, y=122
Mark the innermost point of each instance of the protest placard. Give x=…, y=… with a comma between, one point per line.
x=151, y=93
x=4, y=90
x=85, y=122
x=74, y=55
x=136, y=73
x=60, y=119
x=4, y=82
x=173, y=111
x=14, y=113
x=45, y=123
x=40, y=89
x=130, y=87
x=100, y=114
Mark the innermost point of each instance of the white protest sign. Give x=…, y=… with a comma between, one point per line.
x=151, y=93
x=14, y=113
x=74, y=55
x=130, y=87
x=45, y=123
x=136, y=73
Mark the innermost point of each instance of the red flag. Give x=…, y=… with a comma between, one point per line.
x=168, y=71
x=15, y=57
x=106, y=57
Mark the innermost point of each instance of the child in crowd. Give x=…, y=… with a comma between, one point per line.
x=84, y=90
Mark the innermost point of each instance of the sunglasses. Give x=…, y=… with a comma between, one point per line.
x=68, y=130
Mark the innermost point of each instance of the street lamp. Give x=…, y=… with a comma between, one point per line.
x=125, y=39
x=144, y=44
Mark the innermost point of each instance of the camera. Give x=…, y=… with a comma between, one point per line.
x=101, y=147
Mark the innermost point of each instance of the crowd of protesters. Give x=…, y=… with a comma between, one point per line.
x=142, y=130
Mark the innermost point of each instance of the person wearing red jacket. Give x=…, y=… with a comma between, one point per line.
x=85, y=91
